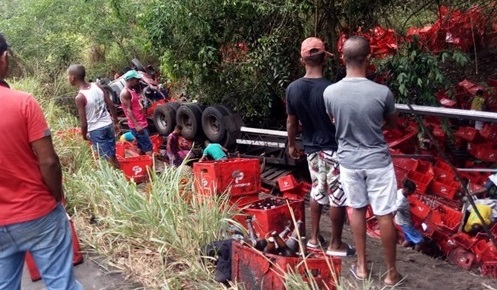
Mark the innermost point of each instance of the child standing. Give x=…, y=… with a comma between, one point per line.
x=403, y=216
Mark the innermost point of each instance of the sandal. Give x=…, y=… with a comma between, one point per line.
x=353, y=270
x=313, y=246
x=350, y=251
x=399, y=282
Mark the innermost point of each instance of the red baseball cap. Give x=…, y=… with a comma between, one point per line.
x=311, y=46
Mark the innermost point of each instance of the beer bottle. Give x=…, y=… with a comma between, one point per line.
x=285, y=232
x=293, y=244
x=270, y=246
x=298, y=230
x=251, y=232
x=282, y=248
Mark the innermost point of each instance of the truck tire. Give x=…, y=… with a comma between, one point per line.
x=112, y=95
x=189, y=116
x=227, y=109
x=213, y=123
x=164, y=119
x=138, y=65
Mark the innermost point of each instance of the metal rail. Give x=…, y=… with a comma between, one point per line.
x=447, y=112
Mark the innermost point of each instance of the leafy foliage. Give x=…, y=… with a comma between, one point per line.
x=415, y=75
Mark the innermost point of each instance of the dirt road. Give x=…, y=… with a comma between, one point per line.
x=90, y=275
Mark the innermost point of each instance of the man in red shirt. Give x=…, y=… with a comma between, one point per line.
x=32, y=218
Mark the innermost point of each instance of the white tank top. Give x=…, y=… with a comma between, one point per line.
x=97, y=115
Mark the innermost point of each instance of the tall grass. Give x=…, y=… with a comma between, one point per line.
x=151, y=232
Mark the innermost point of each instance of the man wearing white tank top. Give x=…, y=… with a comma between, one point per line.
x=97, y=125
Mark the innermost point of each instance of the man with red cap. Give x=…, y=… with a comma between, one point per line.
x=305, y=103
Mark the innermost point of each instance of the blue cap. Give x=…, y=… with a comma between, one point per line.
x=132, y=74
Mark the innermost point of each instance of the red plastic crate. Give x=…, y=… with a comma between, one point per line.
x=444, y=242
x=400, y=175
x=479, y=249
x=418, y=208
x=446, y=217
x=444, y=189
x=235, y=176
x=467, y=133
x=136, y=168
x=425, y=167
x=271, y=219
x=489, y=132
x=254, y=271
x=464, y=240
x=405, y=141
x=443, y=175
x=405, y=163
x=422, y=180
x=126, y=148
x=440, y=164
x=287, y=183
x=483, y=151
x=438, y=132
x=461, y=258
x=157, y=141
x=489, y=269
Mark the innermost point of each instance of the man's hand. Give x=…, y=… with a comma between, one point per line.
x=293, y=152
x=139, y=129
x=117, y=129
x=86, y=136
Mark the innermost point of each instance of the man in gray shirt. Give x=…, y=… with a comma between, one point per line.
x=361, y=110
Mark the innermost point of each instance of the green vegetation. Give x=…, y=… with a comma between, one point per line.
x=238, y=52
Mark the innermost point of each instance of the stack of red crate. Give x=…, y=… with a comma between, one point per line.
x=240, y=179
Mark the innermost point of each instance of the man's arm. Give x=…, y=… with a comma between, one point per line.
x=48, y=161
x=125, y=97
x=390, y=115
x=81, y=105
x=202, y=158
x=291, y=128
x=390, y=122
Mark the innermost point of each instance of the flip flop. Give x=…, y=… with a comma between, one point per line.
x=398, y=283
x=347, y=253
x=313, y=246
x=353, y=270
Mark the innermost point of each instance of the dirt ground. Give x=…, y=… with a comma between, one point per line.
x=420, y=271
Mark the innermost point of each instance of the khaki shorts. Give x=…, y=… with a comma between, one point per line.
x=325, y=177
x=376, y=187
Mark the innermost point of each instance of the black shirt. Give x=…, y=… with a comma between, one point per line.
x=304, y=99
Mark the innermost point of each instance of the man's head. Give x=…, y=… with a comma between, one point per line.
x=408, y=187
x=132, y=78
x=76, y=73
x=177, y=129
x=207, y=142
x=4, y=57
x=313, y=52
x=356, y=52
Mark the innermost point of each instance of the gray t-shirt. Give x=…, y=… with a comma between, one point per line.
x=359, y=107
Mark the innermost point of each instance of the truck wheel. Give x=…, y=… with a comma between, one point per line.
x=213, y=124
x=227, y=109
x=189, y=116
x=112, y=95
x=138, y=65
x=164, y=119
